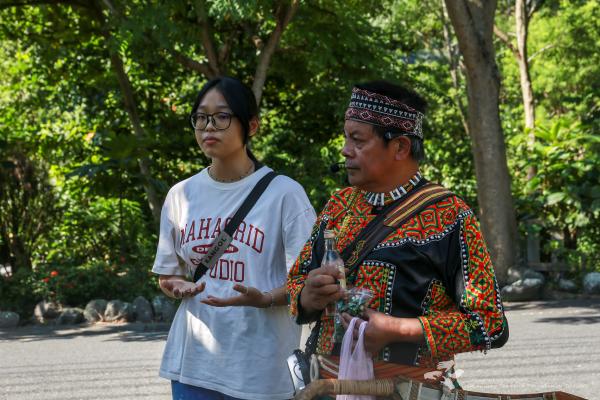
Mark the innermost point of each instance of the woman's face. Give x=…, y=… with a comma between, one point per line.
x=217, y=143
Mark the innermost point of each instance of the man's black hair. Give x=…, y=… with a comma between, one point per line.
x=406, y=96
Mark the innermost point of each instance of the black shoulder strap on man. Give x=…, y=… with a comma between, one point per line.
x=222, y=241
x=385, y=223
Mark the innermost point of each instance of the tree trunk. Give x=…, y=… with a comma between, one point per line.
x=473, y=23
x=283, y=16
x=522, y=25
x=22, y=256
x=453, y=62
x=154, y=201
x=217, y=61
x=13, y=249
x=522, y=28
x=522, y=17
x=207, y=39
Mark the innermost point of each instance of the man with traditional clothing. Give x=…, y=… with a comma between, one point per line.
x=416, y=246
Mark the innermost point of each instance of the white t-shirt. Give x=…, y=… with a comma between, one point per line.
x=238, y=351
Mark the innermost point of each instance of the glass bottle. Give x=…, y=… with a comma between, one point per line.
x=332, y=257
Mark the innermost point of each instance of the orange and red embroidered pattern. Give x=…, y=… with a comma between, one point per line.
x=466, y=322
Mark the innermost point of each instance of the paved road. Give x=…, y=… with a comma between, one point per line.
x=98, y=362
x=553, y=346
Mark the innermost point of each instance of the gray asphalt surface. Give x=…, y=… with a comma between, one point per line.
x=553, y=346
x=97, y=362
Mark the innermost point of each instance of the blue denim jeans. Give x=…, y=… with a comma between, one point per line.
x=181, y=391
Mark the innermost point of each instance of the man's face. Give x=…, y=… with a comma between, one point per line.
x=368, y=160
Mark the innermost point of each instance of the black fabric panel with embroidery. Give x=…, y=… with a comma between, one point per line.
x=411, y=270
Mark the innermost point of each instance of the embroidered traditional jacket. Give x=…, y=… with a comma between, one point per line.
x=434, y=267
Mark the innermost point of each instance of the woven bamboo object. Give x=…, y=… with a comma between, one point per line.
x=408, y=389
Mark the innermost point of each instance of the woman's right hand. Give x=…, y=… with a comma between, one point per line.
x=177, y=287
x=249, y=296
x=321, y=287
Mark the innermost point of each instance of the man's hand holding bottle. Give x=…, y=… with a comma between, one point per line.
x=321, y=288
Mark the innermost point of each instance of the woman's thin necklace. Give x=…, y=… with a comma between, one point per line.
x=245, y=174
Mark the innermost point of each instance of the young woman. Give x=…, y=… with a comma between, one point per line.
x=232, y=334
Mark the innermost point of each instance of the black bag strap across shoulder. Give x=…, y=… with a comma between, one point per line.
x=393, y=217
x=222, y=241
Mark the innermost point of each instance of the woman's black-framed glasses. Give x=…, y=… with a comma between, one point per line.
x=219, y=120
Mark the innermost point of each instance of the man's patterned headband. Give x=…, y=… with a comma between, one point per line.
x=377, y=109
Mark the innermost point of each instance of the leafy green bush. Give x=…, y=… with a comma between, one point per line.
x=76, y=285
x=20, y=293
x=562, y=200
x=100, y=249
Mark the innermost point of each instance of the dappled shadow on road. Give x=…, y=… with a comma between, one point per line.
x=564, y=312
x=571, y=320
x=591, y=303
x=133, y=336
x=123, y=332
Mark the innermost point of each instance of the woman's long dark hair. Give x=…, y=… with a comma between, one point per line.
x=239, y=98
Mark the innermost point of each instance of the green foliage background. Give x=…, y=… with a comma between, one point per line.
x=71, y=196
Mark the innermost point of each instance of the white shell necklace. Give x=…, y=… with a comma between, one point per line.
x=380, y=199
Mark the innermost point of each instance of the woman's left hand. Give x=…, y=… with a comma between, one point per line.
x=249, y=296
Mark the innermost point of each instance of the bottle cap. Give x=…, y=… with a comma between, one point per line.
x=328, y=234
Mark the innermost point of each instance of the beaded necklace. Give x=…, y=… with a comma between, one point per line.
x=250, y=170
x=380, y=199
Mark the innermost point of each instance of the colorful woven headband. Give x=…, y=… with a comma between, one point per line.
x=377, y=109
